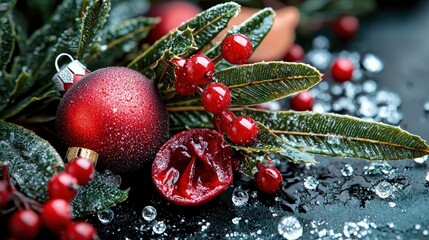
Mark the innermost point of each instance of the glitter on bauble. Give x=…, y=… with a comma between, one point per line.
x=116, y=112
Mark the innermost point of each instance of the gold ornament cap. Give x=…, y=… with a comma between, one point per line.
x=79, y=152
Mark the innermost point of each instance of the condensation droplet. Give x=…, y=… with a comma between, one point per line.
x=106, y=216
x=159, y=227
x=310, y=183
x=290, y=228
x=149, y=213
x=240, y=197
x=384, y=189
x=347, y=170
x=421, y=159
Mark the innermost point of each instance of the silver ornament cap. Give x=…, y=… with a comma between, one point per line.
x=65, y=74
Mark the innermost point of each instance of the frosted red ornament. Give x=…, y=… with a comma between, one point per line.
x=116, y=112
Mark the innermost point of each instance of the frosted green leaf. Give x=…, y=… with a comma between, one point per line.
x=261, y=82
x=32, y=160
x=341, y=136
x=100, y=194
x=205, y=26
x=94, y=20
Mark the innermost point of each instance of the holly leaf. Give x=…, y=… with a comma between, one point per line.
x=255, y=28
x=93, y=21
x=188, y=118
x=267, y=143
x=7, y=41
x=100, y=194
x=122, y=34
x=32, y=160
x=261, y=82
x=205, y=25
x=341, y=135
x=163, y=70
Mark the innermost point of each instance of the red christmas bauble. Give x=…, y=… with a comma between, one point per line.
x=116, y=112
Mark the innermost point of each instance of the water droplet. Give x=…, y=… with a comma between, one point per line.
x=421, y=159
x=425, y=232
x=310, y=183
x=350, y=229
x=240, y=197
x=392, y=204
x=347, y=170
x=290, y=228
x=372, y=63
x=426, y=106
x=149, y=213
x=319, y=58
x=379, y=168
x=321, y=42
x=418, y=226
x=333, y=140
x=106, y=216
x=384, y=189
x=427, y=176
x=236, y=220
x=159, y=227
x=369, y=86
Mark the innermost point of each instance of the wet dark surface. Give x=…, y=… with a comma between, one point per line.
x=339, y=206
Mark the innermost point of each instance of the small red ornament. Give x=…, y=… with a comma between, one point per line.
x=268, y=179
x=24, y=224
x=116, y=112
x=192, y=167
x=236, y=48
x=216, y=97
x=346, y=26
x=295, y=54
x=302, y=101
x=342, y=69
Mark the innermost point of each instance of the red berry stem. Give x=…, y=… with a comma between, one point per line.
x=216, y=58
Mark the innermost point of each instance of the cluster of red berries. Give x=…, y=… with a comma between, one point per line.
x=56, y=213
x=216, y=98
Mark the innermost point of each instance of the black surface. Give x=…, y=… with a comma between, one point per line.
x=400, y=38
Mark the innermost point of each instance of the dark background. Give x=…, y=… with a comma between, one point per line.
x=398, y=33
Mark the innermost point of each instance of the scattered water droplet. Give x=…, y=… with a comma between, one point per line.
x=310, y=183
x=426, y=106
x=240, y=197
x=290, y=228
x=427, y=176
x=384, y=189
x=159, y=227
x=319, y=58
x=418, y=226
x=321, y=42
x=350, y=229
x=149, y=213
x=392, y=204
x=369, y=86
x=347, y=170
x=236, y=220
x=372, y=63
x=106, y=216
x=421, y=159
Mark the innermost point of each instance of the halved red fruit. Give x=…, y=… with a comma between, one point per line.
x=193, y=167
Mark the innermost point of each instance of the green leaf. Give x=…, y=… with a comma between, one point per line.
x=255, y=28
x=7, y=41
x=32, y=160
x=261, y=82
x=98, y=195
x=205, y=25
x=6, y=6
x=163, y=70
x=127, y=32
x=188, y=118
x=267, y=142
x=341, y=136
x=94, y=20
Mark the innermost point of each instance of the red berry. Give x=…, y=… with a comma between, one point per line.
x=80, y=231
x=199, y=69
x=4, y=194
x=192, y=167
x=182, y=86
x=342, y=69
x=223, y=121
x=216, y=97
x=56, y=215
x=243, y=131
x=295, y=54
x=268, y=179
x=82, y=169
x=236, y=48
x=302, y=101
x=24, y=224
x=116, y=112
x=62, y=185
x=346, y=26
